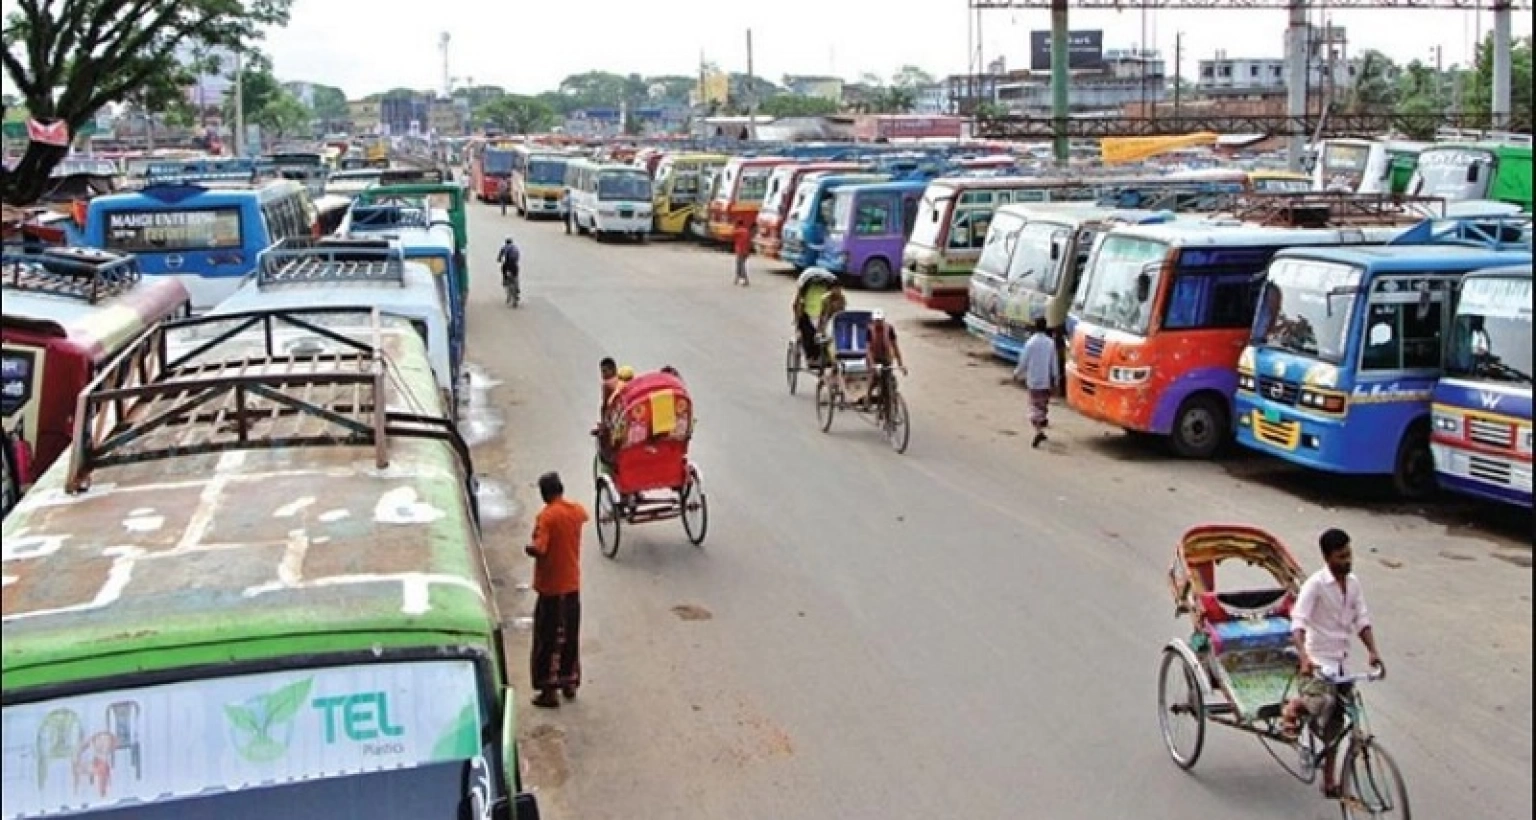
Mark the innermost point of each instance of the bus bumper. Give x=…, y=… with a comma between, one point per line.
x=1316, y=443
x=1488, y=476
x=1129, y=407
x=941, y=293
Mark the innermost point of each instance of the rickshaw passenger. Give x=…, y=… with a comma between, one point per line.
x=815, y=303
x=609, y=428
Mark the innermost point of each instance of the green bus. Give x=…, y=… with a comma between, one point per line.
x=1490, y=170
x=254, y=588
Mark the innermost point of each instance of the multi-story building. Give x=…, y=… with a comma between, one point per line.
x=932, y=99
x=1328, y=68
x=365, y=115
x=1127, y=75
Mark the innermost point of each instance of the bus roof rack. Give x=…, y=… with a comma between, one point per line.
x=294, y=261
x=401, y=176
x=1480, y=135
x=196, y=386
x=1333, y=209
x=1494, y=232
x=81, y=273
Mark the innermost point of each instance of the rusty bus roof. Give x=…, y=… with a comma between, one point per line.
x=227, y=554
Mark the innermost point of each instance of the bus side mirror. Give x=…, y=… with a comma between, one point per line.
x=1143, y=287
x=1474, y=172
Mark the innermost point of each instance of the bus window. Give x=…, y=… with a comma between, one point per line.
x=1210, y=302
x=1403, y=334
x=874, y=217
x=968, y=231
x=908, y=214
x=170, y=230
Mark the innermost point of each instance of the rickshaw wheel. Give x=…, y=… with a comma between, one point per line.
x=1176, y=709
x=792, y=366
x=826, y=404
x=898, y=426
x=695, y=505
x=609, y=519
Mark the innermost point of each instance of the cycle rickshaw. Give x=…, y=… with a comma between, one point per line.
x=848, y=371
x=1238, y=669
x=644, y=473
x=795, y=359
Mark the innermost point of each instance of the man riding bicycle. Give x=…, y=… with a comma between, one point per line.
x=510, y=257
x=882, y=351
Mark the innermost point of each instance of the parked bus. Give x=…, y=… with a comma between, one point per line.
x=870, y=226
x=810, y=216
x=682, y=190
x=1278, y=182
x=273, y=603
x=490, y=170
x=783, y=184
x=1362, y=166
x=11, y=467
x=538, y=181
x=1346, y=352
x=66, y=312
x=1482, y=404
x=743, y=185
x=1483, y=171
x=305, y=167
x=1161, y=316
x=609, y=200
x=207, y=238
x=365, y=275
x=1030, y=266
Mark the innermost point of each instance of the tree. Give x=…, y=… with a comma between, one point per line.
x=517, y=114
x=595, y=89
x=478, y=95
x=797, y=105
x=331, y=104
x=1478, y=97
x=283, y=115
x=910, y=76
x=66, y=60
x=675, y=88
x=258, y=88
x=1373, y=91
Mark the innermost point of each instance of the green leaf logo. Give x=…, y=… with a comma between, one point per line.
x=262, y=727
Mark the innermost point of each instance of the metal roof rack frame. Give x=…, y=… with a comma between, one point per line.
x=81, y=273
x=151, y=403
x=1333, y=209
x=296, y=261
x=1494, y=232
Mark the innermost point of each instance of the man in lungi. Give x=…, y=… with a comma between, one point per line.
x=555, y=668
x=1040, y=371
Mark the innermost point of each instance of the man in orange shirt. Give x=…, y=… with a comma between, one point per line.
x=556, y=550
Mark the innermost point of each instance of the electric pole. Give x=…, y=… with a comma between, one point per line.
x=1178, y=75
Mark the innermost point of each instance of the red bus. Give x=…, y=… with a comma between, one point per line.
x=490, y=170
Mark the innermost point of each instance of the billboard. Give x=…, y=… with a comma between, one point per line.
x=1085, y=50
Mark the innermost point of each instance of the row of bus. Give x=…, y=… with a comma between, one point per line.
x=248, y=578
x=1379, y=348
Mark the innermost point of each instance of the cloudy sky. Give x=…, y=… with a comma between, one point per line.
x=365, y=46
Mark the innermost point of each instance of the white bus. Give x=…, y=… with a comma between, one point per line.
x=609, y=200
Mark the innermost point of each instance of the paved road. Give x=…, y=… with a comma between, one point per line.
x=969, y=630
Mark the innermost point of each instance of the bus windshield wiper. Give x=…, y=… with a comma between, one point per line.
x=1497, y=370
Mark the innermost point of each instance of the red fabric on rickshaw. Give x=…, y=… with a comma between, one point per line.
x=659, y=466
x=644, y=458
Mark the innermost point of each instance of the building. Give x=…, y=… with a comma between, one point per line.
x=1127, y=76
x=826, y=88
x=365, y=115
x=1328, y=67
x=933, y=99
x=448, y=117
x=966, y=91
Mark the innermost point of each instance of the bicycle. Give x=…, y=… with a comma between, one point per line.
x=512, y=287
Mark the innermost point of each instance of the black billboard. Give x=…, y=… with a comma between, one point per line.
x=1085, y=50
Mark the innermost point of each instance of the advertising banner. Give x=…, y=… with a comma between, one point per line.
x=1085, y=50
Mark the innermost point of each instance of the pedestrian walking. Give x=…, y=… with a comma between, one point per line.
x=1040, y=371
x=743, y=239
x=565, y=205
x=555, y=666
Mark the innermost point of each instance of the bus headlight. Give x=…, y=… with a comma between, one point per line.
x=1524, y=440
x=1448, y=424
x=1326, y=402
x=1246, y=383
x=1129, y=375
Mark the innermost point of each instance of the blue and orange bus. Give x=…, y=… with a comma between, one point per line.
x=1482, y=405
x=1347, y=346
x=207, y=237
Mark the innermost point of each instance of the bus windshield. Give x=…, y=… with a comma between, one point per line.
x=624, y=186
x=774, y=202
x=1346, y=156
x=753, y=187
x=1447, y=172
x=546, y=171
x=165, y=231
x=1306, y=308
x=496, y=161
x=931, y=213
x=1491, y=338
x=1110, y=295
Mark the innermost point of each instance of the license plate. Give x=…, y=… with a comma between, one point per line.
x=1272, y=415
x=626, y=214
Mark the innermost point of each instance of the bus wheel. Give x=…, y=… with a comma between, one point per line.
x=1413, y=472
x=876, y=274
x=1199, y=428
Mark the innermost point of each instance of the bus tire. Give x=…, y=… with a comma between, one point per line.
x=1413, y=471
x=876, y=274
x=1200, y=427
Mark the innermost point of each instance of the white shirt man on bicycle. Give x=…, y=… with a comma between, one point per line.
x=1329, y=613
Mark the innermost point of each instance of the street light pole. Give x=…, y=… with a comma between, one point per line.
x=239, y=129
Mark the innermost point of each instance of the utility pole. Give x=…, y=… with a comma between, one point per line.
x=1178, y=75
x=1060, y=76
x=239, y=130
x=749, y=90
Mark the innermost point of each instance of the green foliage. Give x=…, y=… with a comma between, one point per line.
x=331, y=103
x=66, y=60
x=478, y=95
x=797, y=105
x=517, y=114
x=284, y=115
x=1478, y=92
x=593, y=89
x=911, y=76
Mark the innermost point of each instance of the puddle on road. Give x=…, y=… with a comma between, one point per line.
x=496, y=504
x=479, y=422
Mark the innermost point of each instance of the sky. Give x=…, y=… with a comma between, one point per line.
x=367, y=46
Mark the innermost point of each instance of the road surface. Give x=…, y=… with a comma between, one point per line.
x=969, y=630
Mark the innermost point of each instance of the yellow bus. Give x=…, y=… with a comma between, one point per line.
x=538, y=181
x=681, y=189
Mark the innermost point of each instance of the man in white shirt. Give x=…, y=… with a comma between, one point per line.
x=1040, y=371
x=1329, y=613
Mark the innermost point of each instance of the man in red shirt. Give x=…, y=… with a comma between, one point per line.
x=743, y=237
x=556, y=550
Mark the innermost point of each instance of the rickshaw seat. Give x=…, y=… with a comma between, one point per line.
x=1221, y=607
x=1268, y=634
